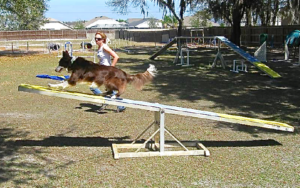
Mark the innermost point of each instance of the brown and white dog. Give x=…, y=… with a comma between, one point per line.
x=114, y=79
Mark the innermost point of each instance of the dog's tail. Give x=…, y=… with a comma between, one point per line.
x=140, y=79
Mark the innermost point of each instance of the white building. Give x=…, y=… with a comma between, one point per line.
x=104, y=22
x=140, y=23
x=54, y=25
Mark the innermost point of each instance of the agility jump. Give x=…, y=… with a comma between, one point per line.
x=160, y=129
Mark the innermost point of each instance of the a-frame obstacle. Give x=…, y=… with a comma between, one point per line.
x=156, y=142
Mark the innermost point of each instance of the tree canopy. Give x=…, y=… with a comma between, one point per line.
x=22, y=14
x=165, y=5
x=264, y=12
x=232, y=12
x=201, y=19
x=170, y=21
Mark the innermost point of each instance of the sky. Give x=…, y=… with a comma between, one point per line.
x=79, y=10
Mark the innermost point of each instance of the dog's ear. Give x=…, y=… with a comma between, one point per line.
x=66, y=54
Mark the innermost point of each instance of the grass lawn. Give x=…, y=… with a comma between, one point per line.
x=55, y=142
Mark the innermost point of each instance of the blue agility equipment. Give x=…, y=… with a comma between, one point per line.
x=61, y=78
x=293, y=38
x=254, y=61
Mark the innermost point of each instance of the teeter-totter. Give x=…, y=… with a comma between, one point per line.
x=156, y=145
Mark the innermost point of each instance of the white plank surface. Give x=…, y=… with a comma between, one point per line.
x=157, y=107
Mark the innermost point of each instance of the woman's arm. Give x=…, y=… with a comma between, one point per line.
x=113, y=54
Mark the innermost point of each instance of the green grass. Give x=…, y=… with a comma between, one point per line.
x=56, y=142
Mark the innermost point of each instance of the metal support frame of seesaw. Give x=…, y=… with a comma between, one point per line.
x=158, y=146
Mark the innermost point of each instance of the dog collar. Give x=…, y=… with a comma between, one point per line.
x=73, y=59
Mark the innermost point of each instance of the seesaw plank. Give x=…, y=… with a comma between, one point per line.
x=261, y=66
x=157, y=107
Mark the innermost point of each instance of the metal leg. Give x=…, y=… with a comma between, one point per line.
x=162, y=131
x=159, y=143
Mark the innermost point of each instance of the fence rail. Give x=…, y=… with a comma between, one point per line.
x=249, y=35
x=36, y=35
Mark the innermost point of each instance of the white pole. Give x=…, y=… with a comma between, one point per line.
x=286, y=50
x=162, y=131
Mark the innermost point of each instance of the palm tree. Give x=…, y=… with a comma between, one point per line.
x=169, y=21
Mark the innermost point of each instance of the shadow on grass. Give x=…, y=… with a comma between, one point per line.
x=251, y=94
x=9, y=53
x=62, y=141
x=17, y=162
x=22, y=166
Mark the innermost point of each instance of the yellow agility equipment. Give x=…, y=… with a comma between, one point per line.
x=159, y=123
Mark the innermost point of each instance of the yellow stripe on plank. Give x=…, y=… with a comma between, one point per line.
x=266, y=69
x=54, y=90
x=256, y=120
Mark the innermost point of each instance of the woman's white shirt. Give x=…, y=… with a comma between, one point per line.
x=104, y=56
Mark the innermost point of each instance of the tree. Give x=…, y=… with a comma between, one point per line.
x=152, y=22
x=291, y=11
x=121, y=6
x=79, y=25
x=231, y=11
x=266, y=10
x=201, y=19
x=169, y=21
x=7, y=21
x=22, y=14
x=121, y=20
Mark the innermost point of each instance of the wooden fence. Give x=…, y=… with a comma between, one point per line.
x=40, y=35
x=250, y=35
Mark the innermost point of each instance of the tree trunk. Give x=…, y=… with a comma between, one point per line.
x=236, y=26
x=179, y=30
x=236, y=31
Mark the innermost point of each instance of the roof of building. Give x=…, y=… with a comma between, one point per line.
x=142, y=22
x=54, y=24
x=104, y=22
x=95, y=19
